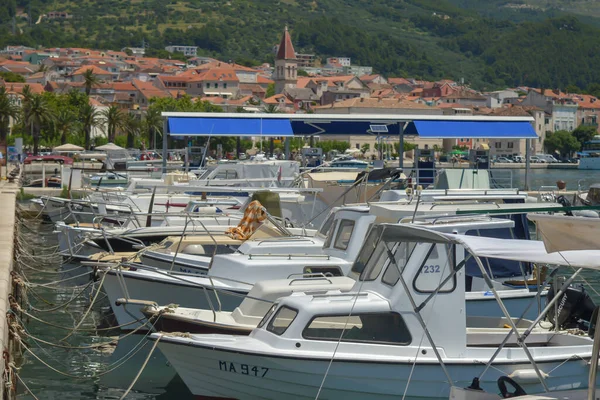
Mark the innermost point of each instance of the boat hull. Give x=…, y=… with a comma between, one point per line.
x=183, y=263
x=210, y=372
x=162, y=293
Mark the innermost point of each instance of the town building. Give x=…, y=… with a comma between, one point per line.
x=188, y=51
x=285, y=74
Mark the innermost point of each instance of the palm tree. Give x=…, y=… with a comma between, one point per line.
x=90, y=80
x=113, y=117
x=132, y=127
x=153, y=124
x=89, y=118
x=36, y=112
x=8, y=110
x=64, y=122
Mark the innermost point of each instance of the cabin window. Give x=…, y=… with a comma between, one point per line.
x=366, y=251
x=267, y=316
x=393, y=271
x=344, y=232
x=380, y=328
x=282, y=320
x=437, y=267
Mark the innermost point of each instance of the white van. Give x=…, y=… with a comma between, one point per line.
x=549, y=158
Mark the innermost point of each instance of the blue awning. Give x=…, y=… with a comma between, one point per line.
x=201, y=126
x=471, y=129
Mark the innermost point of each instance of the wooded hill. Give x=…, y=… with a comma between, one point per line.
x=489, y=43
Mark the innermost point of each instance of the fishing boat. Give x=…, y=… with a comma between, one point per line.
x=402, y=331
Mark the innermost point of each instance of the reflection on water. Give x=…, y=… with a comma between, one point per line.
x=46, y=384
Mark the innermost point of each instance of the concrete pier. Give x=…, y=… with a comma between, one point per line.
x=7, y=234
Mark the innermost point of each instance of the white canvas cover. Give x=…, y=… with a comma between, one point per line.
x=68, y=147
x=562, y=233
x=109, y=146
x=528, y=251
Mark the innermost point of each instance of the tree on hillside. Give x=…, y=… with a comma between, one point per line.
x=37, y=113
x=562, y=142
x=89, y=118
x=8, y=110
x=90, y=80
x=12, y=77
x=113, y=117
x=270, y=90
x=584, y=133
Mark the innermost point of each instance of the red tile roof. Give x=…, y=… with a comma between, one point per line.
x=286, y=48
x=15, y=87
x=586, y=101
x=95, y=70
x=277, y=98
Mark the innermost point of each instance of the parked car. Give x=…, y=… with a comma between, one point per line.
x=503, y=160
x=538, y=160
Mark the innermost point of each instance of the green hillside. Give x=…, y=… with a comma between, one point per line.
x=489, y=43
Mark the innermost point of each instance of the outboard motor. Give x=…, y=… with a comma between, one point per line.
x=563, y=201
x=575, y=308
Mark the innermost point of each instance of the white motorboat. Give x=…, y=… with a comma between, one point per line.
x=402, y=331
x=341, y=250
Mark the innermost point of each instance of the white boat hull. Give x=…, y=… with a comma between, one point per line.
x=183, y=262
x=210, y=372
x=163, y=294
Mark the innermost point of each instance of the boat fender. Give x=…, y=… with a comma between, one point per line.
x=526, y=375
x=518, y=390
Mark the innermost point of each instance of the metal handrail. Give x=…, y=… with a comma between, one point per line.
x=289, y=256
x=317, y=278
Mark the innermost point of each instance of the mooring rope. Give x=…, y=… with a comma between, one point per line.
x=142, y=368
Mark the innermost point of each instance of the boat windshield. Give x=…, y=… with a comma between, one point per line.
x=324, y=229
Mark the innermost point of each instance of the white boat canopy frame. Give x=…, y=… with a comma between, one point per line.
x=533, y=251
x=506, y=249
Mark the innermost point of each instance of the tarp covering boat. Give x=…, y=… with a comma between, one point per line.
x=564, y=233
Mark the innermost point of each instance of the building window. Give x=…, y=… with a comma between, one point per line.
x=511, y=145
x=358, y=146
x=216, y=85
x=498, y=145
x=224, y=86
x=208, y=85
x=198, y=86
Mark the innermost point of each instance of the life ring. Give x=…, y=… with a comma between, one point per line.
x=502, y=381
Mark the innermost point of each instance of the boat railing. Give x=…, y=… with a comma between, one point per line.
x=293, y=238
x=289, y=256
x=501, y=178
